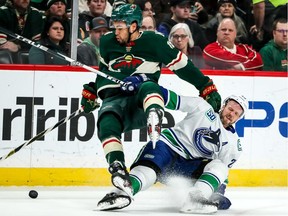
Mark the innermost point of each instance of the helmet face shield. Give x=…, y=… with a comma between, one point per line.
x=127, y=13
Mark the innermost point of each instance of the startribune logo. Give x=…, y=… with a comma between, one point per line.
x=31, y=115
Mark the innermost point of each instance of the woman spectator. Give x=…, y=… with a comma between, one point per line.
x=181, y=11
x=146, y=7
x=227, y=9
x=53, y=37
x=58, y=8
x=180, y=36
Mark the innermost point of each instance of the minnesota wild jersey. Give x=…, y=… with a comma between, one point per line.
x=201, y=133
x=145, y=55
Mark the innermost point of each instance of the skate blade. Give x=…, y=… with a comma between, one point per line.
x=118, y=183
x=119, y=204
x=154, y=136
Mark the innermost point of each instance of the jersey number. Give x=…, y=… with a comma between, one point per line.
x=232, y=162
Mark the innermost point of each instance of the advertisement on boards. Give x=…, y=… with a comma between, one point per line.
x=32, y=101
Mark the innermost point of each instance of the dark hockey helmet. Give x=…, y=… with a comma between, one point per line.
x=128, y=13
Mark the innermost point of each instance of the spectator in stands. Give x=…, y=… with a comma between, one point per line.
x=18, y=17
x=274, y=53
x=96, y=9
x=146, y=7
x=198, y=13
x=41, y=5
x=88, y=50
x=225, y=54
x=148, y=24
x=182, y=39
x=265, y=12
x=227, y=8
x=53, y=37
x=58, y=8
x=181, y=10
x=162, y=10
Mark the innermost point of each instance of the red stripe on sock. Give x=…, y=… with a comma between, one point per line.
x=157, y=96
x=109, y=141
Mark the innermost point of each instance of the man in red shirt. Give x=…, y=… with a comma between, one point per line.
x=225, y=54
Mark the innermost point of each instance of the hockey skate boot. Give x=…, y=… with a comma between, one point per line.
x=154, y=123
x=197, y=204
x=120, y=178
x=113, y=201
x=223, y=202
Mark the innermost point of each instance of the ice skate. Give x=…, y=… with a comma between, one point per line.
x=113, y=201
x=154, y=122
x=197, y=204
x=223, y=202
x=120, y=178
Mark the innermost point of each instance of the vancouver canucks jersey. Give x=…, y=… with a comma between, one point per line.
x=201, y=133
x=145, y=55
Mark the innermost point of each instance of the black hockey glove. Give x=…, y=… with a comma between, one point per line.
x=89, y=98
x=210, y=94
x=133, y=83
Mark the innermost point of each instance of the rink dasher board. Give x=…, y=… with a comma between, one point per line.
x=57, y=91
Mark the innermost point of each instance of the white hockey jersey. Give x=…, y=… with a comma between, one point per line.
x=201, y=134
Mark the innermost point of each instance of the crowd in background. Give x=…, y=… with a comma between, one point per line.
x=216, y=34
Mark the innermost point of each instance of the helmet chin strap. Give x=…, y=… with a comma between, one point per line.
x=129, y=35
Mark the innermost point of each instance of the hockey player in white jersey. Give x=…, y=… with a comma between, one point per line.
x=203, y=146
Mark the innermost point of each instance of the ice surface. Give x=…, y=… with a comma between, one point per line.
x=156, y=201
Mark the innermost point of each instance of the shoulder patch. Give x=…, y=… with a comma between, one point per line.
x=210, y=115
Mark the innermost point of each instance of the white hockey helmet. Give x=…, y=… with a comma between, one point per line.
x=241, y=100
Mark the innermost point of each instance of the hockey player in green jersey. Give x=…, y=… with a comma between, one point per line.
x=136, y=58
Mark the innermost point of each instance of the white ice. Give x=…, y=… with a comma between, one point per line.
x=156, y=201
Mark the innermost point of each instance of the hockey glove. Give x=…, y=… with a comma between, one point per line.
x=89, y=98
x=133, y=83
x=210, y=94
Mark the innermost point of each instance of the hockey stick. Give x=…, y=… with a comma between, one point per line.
x=74, y=62
x=41, y=134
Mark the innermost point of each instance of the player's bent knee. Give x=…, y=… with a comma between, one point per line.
x=145, y=175
x=217, y=168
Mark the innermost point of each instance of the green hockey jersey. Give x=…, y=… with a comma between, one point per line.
x=145, y=55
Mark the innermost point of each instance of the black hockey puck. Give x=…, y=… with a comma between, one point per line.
x=33, y=194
